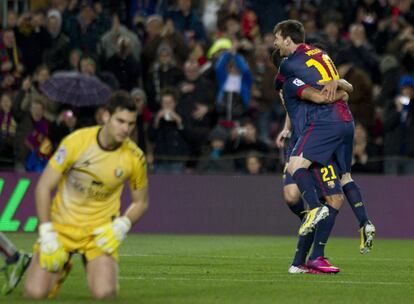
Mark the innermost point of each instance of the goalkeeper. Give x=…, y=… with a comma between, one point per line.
x=89, y=170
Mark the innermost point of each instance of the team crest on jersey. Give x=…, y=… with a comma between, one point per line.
x=118, y=172
x=331, y=184
x=60, y=155
x=298, y=82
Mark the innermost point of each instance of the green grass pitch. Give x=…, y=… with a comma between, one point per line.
x=243, y=269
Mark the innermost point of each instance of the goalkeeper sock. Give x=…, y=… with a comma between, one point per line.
x=354, y=197
x=304, y=180
x=323, y=230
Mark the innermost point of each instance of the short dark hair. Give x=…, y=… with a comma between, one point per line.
x=120, y=100
x=291, y=28
x=170, y=91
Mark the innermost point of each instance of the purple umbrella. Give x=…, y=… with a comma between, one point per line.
x=76, y=89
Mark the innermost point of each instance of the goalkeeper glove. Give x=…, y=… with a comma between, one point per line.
x=110, y=236
x=52, y=254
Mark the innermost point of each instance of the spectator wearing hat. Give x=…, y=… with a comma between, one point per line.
x=216, y=158
x=143, y=120
x=56, y=55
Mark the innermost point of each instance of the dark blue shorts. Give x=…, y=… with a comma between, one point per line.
x=326, y=178
x=320, y=142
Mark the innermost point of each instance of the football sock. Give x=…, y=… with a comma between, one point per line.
x=323, y=230
x=298, y=209
x=304, y=180
x=7, y=249
x=302, y=248
x=354, y=198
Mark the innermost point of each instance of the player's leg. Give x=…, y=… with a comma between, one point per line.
x=329, y=187
x=16, y=264
x=355, y=200
x=102, y=274
x=294, y=201
x=39, y=282
x=317, y=259
x=352, y=191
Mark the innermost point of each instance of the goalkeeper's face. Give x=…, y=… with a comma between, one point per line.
x=121, y=124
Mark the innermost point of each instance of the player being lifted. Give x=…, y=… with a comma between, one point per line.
x=89, y=169
x=329, y=129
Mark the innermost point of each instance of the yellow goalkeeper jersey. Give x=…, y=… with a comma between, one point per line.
x=89, y=193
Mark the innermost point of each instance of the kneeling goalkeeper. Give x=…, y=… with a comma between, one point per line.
x=89, y=170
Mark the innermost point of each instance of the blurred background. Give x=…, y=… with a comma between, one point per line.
x=173, y=57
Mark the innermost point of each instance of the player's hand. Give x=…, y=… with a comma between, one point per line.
x=280, y=139
x=329, y=89
x=110, y=236
x=52, y=254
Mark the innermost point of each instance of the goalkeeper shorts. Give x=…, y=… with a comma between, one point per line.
x=78, y=240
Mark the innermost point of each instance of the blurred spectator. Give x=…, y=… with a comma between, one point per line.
x=388, y=30
x=360, y=53
x=66, y=123
x=263, y=93
x=124, y=66
x=187, y=22
x=86, y=28
x=244, y=140
x=74, y=59
x=143, y=121
x=269, y=13
x=365, y=154
x=32, y=38
x=331, y=38
x=30, y=133
x=164, y=73
x=33, y=93
x=56, y=55
x=215, y=158
x=361, y=100
x=209, y=15
x=8, y=127
x=399, y=130
x=11, y=19
x=168, y=133
x=159, y=34
x=11, y=61
x=109, y=41
x=254, y=164
x=196, y=106
x=234, y=80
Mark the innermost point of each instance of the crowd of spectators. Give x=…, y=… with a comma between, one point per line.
x=201, y=75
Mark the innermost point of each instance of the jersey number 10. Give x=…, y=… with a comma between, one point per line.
x=327, y=73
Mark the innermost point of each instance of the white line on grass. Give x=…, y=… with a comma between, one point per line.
x=368, y=258
x=260, y=280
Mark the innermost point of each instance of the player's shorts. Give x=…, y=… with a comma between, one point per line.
x=78, y=240
x=320, y=142
x=326, y=178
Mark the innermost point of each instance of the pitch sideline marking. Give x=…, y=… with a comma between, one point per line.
x=259, y=280
x=254, y=257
